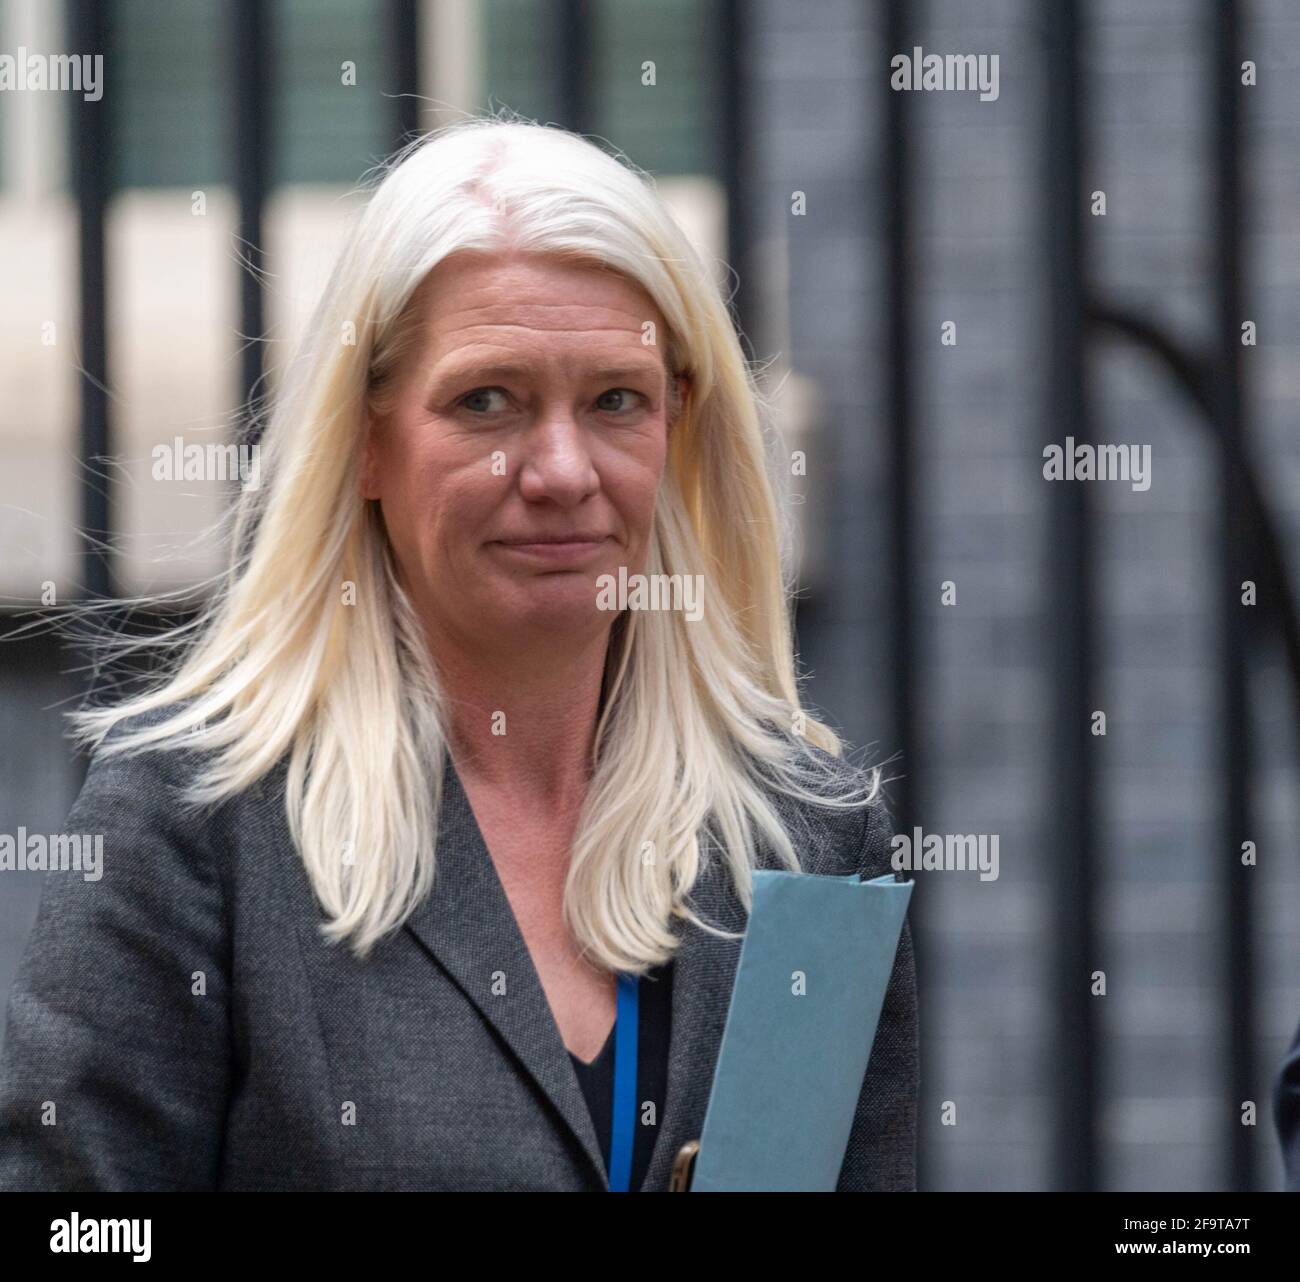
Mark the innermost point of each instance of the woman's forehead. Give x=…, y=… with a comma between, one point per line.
x=466, y=281
x=489, y=310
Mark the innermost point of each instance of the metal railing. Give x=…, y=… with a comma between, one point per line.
x=1080, y=319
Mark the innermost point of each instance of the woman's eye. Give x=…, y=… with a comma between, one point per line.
x=618, y=391
x=474, y=400
x=618, y=400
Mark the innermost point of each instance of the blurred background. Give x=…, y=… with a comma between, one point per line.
x=955, y=607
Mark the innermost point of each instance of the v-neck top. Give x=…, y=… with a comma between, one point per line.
x=597, y=1078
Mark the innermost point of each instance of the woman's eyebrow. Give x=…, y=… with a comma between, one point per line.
x=466, y=370
x=646, y=370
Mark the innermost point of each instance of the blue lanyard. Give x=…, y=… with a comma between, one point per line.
x=625, y=1051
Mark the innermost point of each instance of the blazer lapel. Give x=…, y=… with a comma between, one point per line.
x=467, y=923
x=468, y=926
x=703, y=975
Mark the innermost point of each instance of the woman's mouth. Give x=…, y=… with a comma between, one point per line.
x=566, y=551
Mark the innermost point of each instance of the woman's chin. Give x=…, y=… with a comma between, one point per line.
x=557, y=609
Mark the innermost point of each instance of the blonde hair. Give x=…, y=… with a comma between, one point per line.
x=698, y=719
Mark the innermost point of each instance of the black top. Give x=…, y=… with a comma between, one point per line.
x=597, y=1078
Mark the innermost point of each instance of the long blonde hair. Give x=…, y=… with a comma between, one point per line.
x=698, y=721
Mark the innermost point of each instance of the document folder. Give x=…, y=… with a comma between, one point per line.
x=810, y=984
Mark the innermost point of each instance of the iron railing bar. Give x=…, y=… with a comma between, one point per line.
x=571, y=40
x=1194, y=374
x=402, y=30
x=902, y=21
x=1238, y=954
x=90, y=30
x=1073, y=610
x=735, y=136
x=251, y=108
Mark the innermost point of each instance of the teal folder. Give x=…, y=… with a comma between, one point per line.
x=810, y=984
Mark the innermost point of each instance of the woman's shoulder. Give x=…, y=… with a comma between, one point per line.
x=163, y=746
x=125, y=764
x=134, y=871
x=837, y=839
x=140, y=780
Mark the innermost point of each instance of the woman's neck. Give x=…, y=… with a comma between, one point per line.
x=526, y=725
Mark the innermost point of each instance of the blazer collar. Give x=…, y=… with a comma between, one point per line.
x=466, y=923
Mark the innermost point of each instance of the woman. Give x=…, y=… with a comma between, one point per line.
x=449, y=805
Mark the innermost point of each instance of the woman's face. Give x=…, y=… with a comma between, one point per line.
x=519, y=451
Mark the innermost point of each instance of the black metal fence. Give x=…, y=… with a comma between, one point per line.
x=1080, y=320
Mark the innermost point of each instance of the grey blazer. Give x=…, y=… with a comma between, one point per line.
x=182, y=1024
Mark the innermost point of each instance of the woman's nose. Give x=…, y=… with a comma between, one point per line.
x=557, y=461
